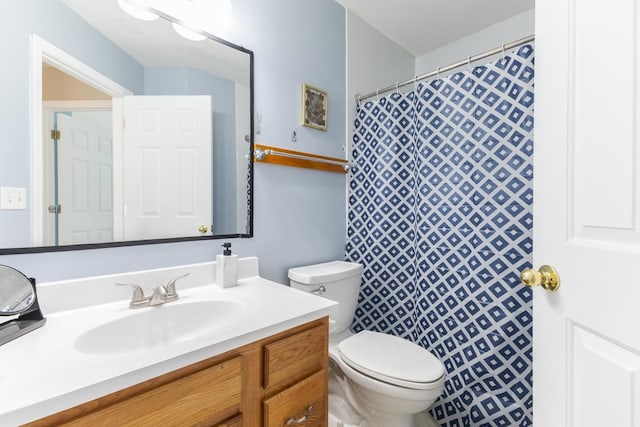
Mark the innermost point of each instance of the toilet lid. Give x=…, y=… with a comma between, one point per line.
x=390, y=359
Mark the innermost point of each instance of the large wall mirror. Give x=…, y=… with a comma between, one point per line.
x=135, y=134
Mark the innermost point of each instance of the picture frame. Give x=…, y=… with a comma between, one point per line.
x=314, y=107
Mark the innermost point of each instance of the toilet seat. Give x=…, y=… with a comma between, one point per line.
x=391, y=359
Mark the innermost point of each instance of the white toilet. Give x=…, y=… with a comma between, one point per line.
x=375, y=379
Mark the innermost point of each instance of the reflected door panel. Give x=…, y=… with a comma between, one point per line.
x=85, y=178
x=167, y=165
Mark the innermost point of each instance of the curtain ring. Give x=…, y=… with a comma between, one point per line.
x=397, y=91
x=503, y=54
x=378, y=95
x=438, y=73
x=415, y=83
x=469, y=64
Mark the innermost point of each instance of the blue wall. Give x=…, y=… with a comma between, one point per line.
x=299, y=214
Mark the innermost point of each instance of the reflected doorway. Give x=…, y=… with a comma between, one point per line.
x=60, y=83
x=78, y=161
x=78, y=177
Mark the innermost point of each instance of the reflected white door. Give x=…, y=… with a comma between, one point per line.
x=85, y=178
x=167, y=166
x=587, y=214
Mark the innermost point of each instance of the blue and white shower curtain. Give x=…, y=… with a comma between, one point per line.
x=440, y=215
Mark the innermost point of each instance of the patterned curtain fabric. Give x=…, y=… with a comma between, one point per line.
x=440, y=215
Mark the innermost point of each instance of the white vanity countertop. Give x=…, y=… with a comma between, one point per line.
x=43, y=372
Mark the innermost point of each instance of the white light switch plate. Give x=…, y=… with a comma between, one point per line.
x=12, y=198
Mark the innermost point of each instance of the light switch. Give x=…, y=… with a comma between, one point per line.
x=12, y=198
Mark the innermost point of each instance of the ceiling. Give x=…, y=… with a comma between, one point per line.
x=421, y=26
x=156, y=44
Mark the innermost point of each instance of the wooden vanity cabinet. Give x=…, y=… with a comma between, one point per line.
x=269, y=382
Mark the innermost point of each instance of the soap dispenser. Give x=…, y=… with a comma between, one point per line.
x=226, y=268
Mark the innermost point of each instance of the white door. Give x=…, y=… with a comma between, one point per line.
x=167, y=166
x=85, y=178
x=587, y=214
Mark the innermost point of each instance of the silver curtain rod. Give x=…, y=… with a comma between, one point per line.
x=440, y=70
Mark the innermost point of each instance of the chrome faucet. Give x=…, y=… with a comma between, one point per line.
x=160, y=295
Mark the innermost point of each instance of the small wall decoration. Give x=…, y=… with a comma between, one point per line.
x=314, y=107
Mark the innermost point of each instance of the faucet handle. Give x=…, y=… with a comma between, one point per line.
x=137, y=299
x=171, y=287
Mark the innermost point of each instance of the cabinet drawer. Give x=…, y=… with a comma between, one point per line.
x=290, y=359
x=304, y=402
x=205, y=397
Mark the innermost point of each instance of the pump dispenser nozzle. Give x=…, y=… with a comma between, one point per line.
x=227, y=249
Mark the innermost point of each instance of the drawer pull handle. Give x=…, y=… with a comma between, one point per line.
x=301, y=420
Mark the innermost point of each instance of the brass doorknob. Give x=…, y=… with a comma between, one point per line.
x=203, y=229
x=546, y=276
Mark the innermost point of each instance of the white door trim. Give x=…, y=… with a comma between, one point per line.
x=43, y=51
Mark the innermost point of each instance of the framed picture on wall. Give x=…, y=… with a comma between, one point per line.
x=314, y=107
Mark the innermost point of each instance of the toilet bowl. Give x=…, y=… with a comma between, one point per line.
x=376, y=379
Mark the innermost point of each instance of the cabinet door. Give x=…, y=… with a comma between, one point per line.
x=303, y=404
x=203, y=398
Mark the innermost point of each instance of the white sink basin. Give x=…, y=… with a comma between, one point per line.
x=152, y=327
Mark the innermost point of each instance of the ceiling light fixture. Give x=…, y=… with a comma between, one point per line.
x=137, y=11
x=196, y=16
x=188, y=33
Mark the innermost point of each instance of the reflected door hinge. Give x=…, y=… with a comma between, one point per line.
x=55, y=209
x=55, y=134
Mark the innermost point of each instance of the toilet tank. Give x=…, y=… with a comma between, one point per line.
x=336, y=280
